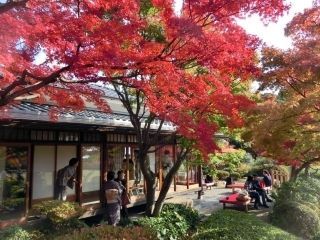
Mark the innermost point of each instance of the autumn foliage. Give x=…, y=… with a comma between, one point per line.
x=287, y=126
x=183, y=62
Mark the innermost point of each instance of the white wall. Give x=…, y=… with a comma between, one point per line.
x=43, y=169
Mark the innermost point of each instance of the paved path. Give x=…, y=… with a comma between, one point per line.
x=210, y=201
x=206, y=206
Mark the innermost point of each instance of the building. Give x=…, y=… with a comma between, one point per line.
x=33, y=148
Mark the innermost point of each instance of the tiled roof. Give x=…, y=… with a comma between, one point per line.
x=37, y=112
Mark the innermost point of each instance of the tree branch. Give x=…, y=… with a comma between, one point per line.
x=4, y=7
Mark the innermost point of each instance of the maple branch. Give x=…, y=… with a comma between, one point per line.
x=97, y=79
x=6, y=96
x=292, y=115
x=78, y=8
x=295, y=89
x=307, y=164
x=4, y=7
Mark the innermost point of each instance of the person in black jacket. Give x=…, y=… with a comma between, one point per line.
x=261, y=191
x=252, y=193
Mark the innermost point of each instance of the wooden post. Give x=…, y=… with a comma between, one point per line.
x=187, y=167
x=174, y=161
x=160, y=170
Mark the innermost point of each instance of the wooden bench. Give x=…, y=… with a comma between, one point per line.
x=208, y=185
x=232, y=199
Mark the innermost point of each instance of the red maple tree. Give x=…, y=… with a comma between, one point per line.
x=184, y=64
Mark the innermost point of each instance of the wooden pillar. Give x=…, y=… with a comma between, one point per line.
x=79, y=175
x=160, y=170
x=29, y=182
x=103, y=166
x=174, y=161
x=200, y=176
x=127, y=166
x=187, y=167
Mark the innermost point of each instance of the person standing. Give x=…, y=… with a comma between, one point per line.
x=124, y=196
x=166, y=163
x=66, y=178
x=267, y=179
x=113, y=193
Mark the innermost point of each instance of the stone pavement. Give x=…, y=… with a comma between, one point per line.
x=205, y=206
x=210, y=201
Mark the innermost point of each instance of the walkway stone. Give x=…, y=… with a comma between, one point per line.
x=210, y=201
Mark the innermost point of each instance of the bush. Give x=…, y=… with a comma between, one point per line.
x=16, y=233
x=297, y=207
x=235, y=175
x=109, y=232
x=169, y=226
x=61, y=214
x=297, y=218
x=190, y=215
x=229, y=224
x=222, y=175
x=174, y=222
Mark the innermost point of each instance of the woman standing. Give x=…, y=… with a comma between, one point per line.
x=124, y=196
x=113, y=199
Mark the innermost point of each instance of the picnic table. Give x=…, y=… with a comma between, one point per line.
x=235, y=186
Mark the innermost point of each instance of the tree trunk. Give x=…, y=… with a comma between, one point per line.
x=163, y=193
x=150, y=197
x=306, y=171
x=294, y=174
x=149, y=178
x=166, y=184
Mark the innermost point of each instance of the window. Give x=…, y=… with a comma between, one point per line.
x=13, y=177
x=90, y=173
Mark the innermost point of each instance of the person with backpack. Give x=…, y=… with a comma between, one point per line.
x=66, y=178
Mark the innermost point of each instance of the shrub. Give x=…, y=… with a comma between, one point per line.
x=297, y=207
x=169, y=225
x=61, y=214
x=190, y=215
x=58, y=211
x=235, y=175
x=174, y=222
x=297, y=218
x=16, y=233
x=109, y=232
x=222, y=175
x=229, y=224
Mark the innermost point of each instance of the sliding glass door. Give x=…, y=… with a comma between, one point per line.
x=13, y=181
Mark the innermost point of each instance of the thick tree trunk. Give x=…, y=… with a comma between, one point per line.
x=294, y=174
x=150, y=197
x=149, y=178
x=162, y=195
x=166, y=184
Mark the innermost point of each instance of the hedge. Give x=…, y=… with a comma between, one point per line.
x=230, y=224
